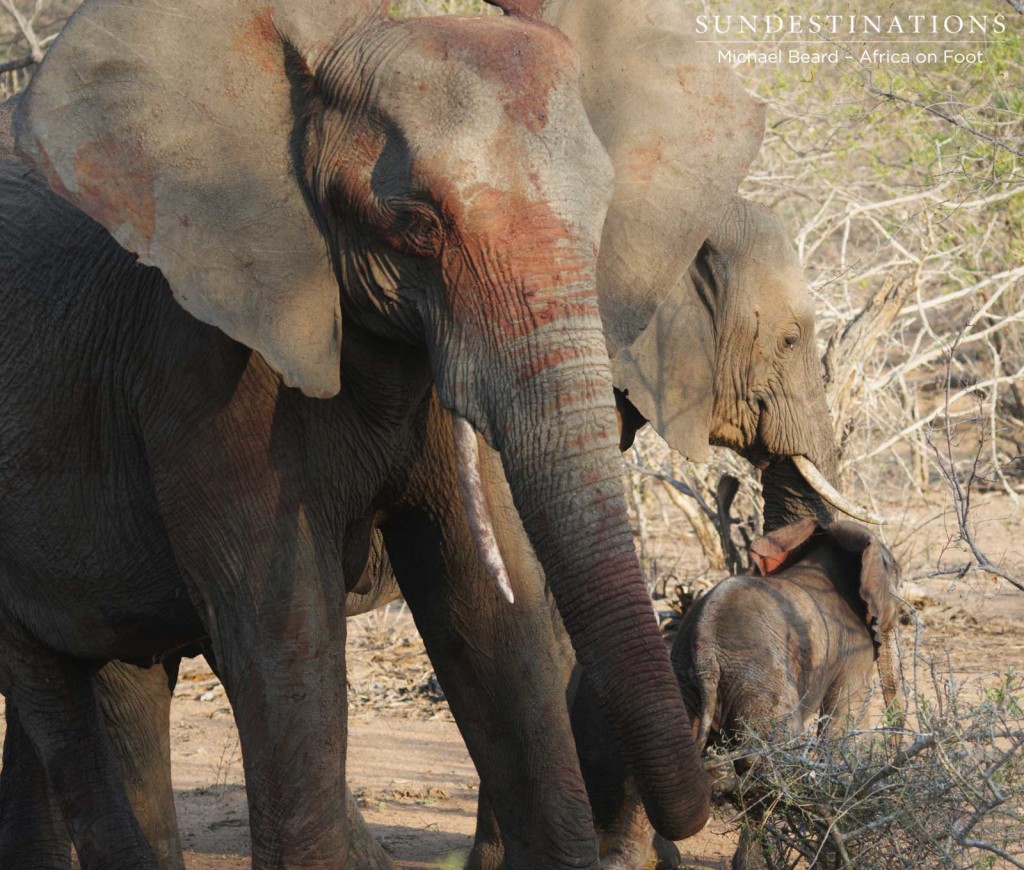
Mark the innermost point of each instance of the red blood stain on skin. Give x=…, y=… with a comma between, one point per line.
x=583, y=440
x=548, y=360
x=48, y=170
x=519, y=267
x=115, y=188
x=261, y=42
x=693, y=78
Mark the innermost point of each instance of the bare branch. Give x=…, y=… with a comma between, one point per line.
x=961, y=490
x=16, y=64
x=678, y=485
x=27, y=30
x=892, y=96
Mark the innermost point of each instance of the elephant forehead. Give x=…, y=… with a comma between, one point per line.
x=490, y=109
x=521, y=63
x=494, y=181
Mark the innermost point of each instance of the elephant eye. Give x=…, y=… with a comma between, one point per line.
x=790, y=341
x=414, y=227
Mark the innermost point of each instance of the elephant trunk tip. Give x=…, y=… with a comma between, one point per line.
x=694, y=817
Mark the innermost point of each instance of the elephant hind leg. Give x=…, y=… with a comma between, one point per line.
x=32, y=832
x=56, y=705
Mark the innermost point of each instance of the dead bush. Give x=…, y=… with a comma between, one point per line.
x=952, y=797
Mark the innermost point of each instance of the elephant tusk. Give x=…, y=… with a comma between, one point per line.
x=816, y=480
x=475, y=503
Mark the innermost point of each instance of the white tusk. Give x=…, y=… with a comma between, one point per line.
x=816, y=480
x=473, y=500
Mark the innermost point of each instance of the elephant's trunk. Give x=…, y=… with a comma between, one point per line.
x=525, y=363
x=789, y=498
x=558, y=446
x=800, y=480
x=795, y=433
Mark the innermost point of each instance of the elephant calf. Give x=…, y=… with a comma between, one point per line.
x=769, y=652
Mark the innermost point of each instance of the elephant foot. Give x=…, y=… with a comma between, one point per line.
x=485, y=856
x=639, y=852
x=364, y=851
x=658, y=854
x=638, y=859
x=631, y=843
x=368, y=854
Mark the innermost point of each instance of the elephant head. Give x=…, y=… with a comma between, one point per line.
x=435, y=181
x=740, y=368
x=769, y=399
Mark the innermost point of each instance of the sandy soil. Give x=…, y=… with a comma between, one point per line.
x=409, y=769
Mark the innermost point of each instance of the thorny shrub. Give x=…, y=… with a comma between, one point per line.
x=951, y=797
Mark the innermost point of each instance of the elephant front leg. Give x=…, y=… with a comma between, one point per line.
x=502, y=668
x=503, y=680
x=239, y=511
x=283, y=667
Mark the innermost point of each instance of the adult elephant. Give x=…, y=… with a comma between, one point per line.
x=279, y=165
x=505, y=669
x=672, y=179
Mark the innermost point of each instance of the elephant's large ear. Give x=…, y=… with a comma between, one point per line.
x=681, y=132
x=879, y=574
x=777, y=549
x=172, y=125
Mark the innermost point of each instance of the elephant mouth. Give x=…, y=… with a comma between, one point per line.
x=757, y=452
x=478, y=514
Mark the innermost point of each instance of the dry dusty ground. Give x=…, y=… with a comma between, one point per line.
x=408, y=766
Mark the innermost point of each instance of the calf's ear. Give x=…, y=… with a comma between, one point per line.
x=879, y=574
x=778, y=548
